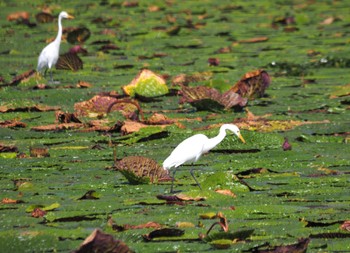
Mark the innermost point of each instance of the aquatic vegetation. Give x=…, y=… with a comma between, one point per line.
x=284, y=189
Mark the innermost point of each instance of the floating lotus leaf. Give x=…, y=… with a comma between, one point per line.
x=78, y=35
x=146, y=84
x=206, y=98
x=104, y=104
x=140, y=170
x=69, y=61
x=44, y=17
x=252, y=84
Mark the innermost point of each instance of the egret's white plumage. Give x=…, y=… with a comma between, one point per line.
x=49, y=55
x=191, y=149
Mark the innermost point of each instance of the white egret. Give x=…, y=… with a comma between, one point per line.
x=191, y=149
x=49, y=55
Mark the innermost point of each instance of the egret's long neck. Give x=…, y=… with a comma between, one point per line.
x=59, y=33
x=215, y=141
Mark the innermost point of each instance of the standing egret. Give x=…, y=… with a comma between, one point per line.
x=191, y=149
x=49, y=56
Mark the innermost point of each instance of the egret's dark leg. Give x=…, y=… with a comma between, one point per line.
x=51, y=76
x=195, y=179
x=172, y=181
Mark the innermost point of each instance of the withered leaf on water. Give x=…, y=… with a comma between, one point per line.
x=263, y=124
x=164, y=232
x=159, y=119
x=185, y=79
x=65, y=117
x=32, y=108
x=44, y=17
x=19, y=78
x=11, y=201
x=207, y=98
x=69, y=61
x=99, y=241
x=12, y=123
x=345, y=225
x=5, y=148
x=179, y=197
x=226, y=192
x=78, y=35
x=37, y=213
x=39, y=152
x=58, y=127
x=253, y=84
x=254, y=40
x=17, y=16
x=140, y=170
x=101, y=104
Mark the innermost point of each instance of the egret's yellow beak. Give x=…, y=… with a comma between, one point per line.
x=70, y=17
x=241, y=137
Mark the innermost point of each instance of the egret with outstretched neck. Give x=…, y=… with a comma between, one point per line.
x=192, y=148
x=49, y=55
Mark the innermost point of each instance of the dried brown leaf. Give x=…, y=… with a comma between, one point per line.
x=58, y=127
x=44, y=17
x=12, y=123
x=11, y=201
x=39, y=152
x=78, y=35
x=69, y=61
x=252, y=84
x=254, y=40
x=17, y=16
x=99, y=241
x=5, y=148
x=345, y=226
x=101, y=104
x=207, y=98
x=226, y=192
x=139, y=169
x=37, y=213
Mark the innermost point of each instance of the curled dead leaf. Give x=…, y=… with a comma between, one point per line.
x=39, y=152
x=65, y=117
x=12, y=124
x=69, y=61
x=254, y=40
x=78, y=35
x=10, y=148
x=140, y=169
x=37, y=213
x=58, y=127
x=44, y=17
x=159, y=119
x=99, y=241
x=82, y=84
x=184, y=79
x=345, y=226
x=207, y=98
x=20, y=15
x=226, y=192
x=24, y=76
x=101, y=104
x=253, y=84
x=11, y=201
